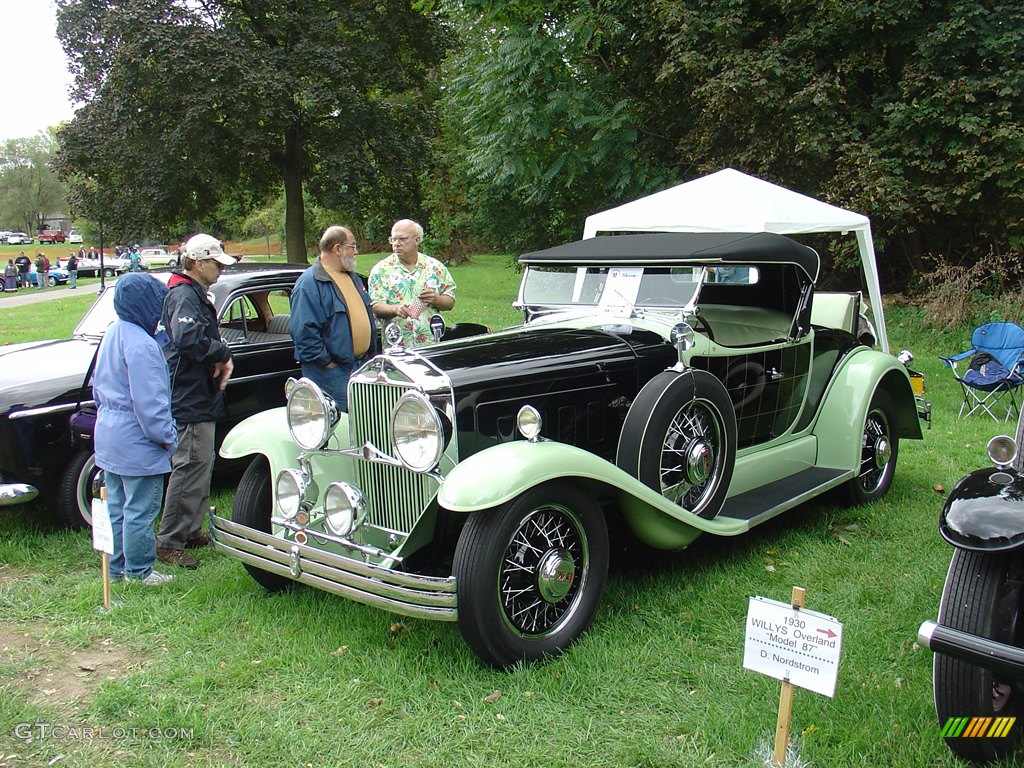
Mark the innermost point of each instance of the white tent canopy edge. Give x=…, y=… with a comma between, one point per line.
x=732, y=201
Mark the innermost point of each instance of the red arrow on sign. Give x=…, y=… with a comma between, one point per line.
x=828, y=632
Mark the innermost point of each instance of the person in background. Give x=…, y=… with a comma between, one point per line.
x=200, y=366
x=24, y=267
x=42, y=270
x=135, y=258
x=331, y=321
x=73, y=270
x=410, y=287
x=134, y=436
x=11, y=276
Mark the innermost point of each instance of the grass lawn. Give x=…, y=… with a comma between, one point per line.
x=212, y=671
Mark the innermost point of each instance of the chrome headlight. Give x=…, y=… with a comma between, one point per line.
x=344, y=508
x=1002, y=450
x=311, y=415
x=529, y=422
x=289, y=491
x=417, y=433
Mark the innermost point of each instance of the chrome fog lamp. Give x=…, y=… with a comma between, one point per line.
x=311, y=415
x=344, y=508
x=289, y=491
x=529, y=422
x=1002, y=450
x=417, y=434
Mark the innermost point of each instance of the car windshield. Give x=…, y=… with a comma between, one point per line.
x=545, y=286
x=100, y=315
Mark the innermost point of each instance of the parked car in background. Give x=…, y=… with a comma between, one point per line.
x=41, y=383
x=4, y=234
x=675, y=382
x=56, y=276
x=51, y=236
x=90, y=267
x=157, y=258
x=115, y=265
x=75, y=237
x=19, y=238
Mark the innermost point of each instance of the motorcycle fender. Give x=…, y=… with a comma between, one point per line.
x=498, y=474
x=985, y=511
x=840, y=425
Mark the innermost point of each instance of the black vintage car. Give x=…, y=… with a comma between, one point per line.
x=978, y=640
x=41, y=383
x=685, y=384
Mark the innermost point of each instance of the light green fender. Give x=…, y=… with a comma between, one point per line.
x=840, y=426
x=498, y=474
x=267, y=433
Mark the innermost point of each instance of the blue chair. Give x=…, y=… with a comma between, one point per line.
x=994, y=371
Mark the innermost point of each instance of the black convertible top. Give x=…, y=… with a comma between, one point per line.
x=679, y=247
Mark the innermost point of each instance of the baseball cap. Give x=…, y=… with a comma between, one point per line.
x=203, y=246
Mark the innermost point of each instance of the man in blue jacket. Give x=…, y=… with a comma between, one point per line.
x=200, y=365
x=331, y=322
x=134, y=434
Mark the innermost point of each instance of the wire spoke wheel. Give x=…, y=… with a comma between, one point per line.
x=879, y=449
x=692, y=455
x=530, y=573
x=540, y=577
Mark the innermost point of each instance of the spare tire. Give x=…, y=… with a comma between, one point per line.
x=679, y=438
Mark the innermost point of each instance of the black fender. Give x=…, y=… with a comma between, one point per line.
x=985, y=511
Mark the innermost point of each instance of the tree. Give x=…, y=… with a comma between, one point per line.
x=29, y=190
x=539, y=118
x=911, y=113
x=184, y=100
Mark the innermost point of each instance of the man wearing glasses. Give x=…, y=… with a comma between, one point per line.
x=410, y=287
x=331, y=322
x=200, y=365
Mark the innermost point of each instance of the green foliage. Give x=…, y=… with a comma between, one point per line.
x=537, y=123
x=29, y=190
x=185, y=102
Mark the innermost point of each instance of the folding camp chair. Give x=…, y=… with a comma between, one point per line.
x=993, y=372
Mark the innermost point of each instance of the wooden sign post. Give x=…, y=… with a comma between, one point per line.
x=785, y=718
x=103, y=539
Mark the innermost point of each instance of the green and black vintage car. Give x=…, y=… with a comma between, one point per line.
x=685, y=384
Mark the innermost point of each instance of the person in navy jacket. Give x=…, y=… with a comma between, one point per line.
x=331, y=322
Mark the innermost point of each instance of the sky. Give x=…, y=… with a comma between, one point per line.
x=34, y=78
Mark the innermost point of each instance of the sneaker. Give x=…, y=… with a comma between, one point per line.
x=176, y=557
x=154, y=579
x=199, y=541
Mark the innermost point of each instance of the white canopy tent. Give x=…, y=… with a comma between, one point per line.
x=731, y=201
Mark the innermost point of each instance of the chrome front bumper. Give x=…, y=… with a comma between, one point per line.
x=408, y=594
x=16, y=493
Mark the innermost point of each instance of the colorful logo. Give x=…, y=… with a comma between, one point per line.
x=977, y=727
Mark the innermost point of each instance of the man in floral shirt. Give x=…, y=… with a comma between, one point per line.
x=410, y=287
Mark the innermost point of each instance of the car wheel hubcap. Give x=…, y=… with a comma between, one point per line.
x=700, y=461
x=555, y=575
x=882, y=452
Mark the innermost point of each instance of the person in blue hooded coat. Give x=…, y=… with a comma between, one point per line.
x=135, y=435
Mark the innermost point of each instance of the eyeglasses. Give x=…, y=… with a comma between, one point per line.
x=401, y=239
x=353, y=246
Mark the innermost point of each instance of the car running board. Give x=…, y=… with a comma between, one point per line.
x=761, y=504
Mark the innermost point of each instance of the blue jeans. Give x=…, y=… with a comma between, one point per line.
x=133, y=504
x=333, y=381
x=73, y=277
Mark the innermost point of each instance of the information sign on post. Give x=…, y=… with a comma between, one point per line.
x=796, y=645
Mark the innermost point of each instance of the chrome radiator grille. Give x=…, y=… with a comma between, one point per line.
x=395, y=496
